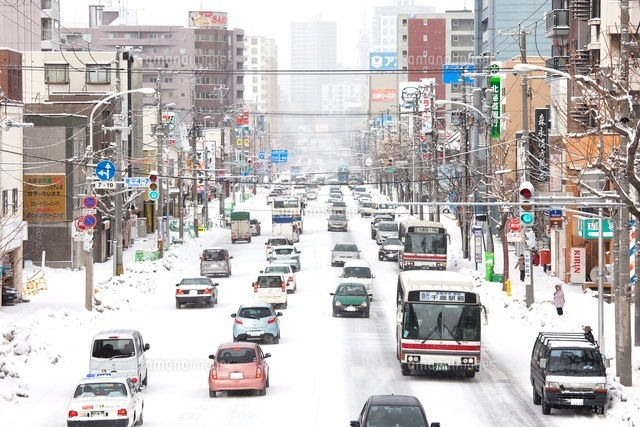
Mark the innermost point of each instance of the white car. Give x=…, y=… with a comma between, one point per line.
x=287, y=271
x=358, y=271
x=270, y=289
x=103, y=399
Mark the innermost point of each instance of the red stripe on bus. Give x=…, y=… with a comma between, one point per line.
x=446, y=347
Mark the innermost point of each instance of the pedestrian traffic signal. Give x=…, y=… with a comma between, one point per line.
x=527, y=211
x=153, y=186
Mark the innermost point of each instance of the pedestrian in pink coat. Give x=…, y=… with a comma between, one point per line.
x=558, y=299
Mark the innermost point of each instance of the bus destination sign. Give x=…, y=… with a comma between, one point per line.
x=428, y=230
x=440, y=296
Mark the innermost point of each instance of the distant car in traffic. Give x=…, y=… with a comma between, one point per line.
x=255, y=227
x=196, y=290
x=392, y=410
x=287, y=271
x=239, y=366
x=375, y=221
x=312, y=195
x=337, y=222
x=270, y=289
x=257, y=322
x=274, y=242
x=215, y=262
x=350, y=298
x=385, y=230
x=289, y=255
x=390, y=249
x=104, y=399
x=342, y=252
x=358, y=271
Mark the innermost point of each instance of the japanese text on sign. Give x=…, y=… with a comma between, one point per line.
x=45, y=197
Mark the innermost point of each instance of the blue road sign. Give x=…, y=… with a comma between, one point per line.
x=381, y=121
x=261, y=155
x=105, y=170
x=89, y=221
x=452, y=73
x=279, y=156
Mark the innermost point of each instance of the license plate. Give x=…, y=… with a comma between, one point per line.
x=236, y=375
x=576, y=402
x=254, y=333
x=97, y=413
x=440, y=367
x=350, y=308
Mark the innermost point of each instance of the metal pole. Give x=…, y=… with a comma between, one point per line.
x=194, y=184
x=180, y=194
x=159, y=146
x=600, y=282
x=464, y=226
x=205, y=199
x=117, y=220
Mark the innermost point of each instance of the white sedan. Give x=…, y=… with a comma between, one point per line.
x=102, y=399
x=287, y=271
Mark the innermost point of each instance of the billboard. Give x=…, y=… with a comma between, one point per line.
x=206, y=19
x=383, y=61
x=45, y=197
x=384, y=95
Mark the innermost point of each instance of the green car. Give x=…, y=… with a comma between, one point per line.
x=350, y=298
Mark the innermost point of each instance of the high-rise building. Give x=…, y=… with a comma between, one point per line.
x=385, y=20
x=313, y=47
x=30, y=26
x=200, y=66
x=261, y=89
x=503, y=17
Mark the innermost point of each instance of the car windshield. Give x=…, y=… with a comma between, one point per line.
x=338, y=218
x=112, y=348
x=352, y=290
x=366, y=205
x=576, y=361
x=345, y=248
x=283, y=251
x=395, y=416
x=195, y=281
x=236, y=355
x=444, y=322
x=269, y=282
x=255, y=312
x=214, y=255
x=392, y=242
x=281, y=269
x=277, y=242
x=382, y=218
x=339, y=205
x=358, y=272
x=388, y=226
x=416, y=243
x=89, y=390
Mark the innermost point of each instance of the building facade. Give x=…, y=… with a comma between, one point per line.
x=30, y=26
x=385, y=23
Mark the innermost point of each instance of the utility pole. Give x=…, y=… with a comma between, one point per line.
x=117, y=220
x=194, y=170
x=180, y=193
x=433, y=151
x=160, y=138
x=88, y=238
x=464, y=226
x=205, y=199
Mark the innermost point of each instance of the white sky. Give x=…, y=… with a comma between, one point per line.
x=259, y=17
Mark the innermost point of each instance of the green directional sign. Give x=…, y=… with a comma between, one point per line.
x=494, y=83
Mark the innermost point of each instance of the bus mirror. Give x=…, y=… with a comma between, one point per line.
x=448, y=238
x=485, y=318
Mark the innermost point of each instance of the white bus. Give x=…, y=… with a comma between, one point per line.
x=438, y=323
x=424, y=245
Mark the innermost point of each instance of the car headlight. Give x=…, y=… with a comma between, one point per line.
x=600, y=388
x=551, y=386
x=364, y=304
x=338, y=304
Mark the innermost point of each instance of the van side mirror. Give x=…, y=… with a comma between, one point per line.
x=231, y=257
x=543, y=363
x=261, y=271
x=146, y=347
x=212, y=357
x=233, y=315
x=606, y=361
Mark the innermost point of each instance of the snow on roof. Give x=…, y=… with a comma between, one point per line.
x=420, y=279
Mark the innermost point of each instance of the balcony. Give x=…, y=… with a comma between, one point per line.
x=558, y=63
x=557, y=23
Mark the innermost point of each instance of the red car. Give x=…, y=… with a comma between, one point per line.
x=239, y=366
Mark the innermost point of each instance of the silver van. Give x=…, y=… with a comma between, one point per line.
x=122, y=352
x=215, y=262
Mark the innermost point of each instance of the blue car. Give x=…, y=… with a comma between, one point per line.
x=256, y=322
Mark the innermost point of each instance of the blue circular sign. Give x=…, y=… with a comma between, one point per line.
x=105, y=170
x=89, y=221
x=89, y=202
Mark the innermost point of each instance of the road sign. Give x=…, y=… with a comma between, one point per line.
x=105, y=185
x=514, y=225
x=89, y=221
x=368, y=161
x=89, y=202
x=495, y=68
x=86, y=211
x=256, y=166
x=246, y=142
x=136, y=181
x=105, y=170
x=261, y=155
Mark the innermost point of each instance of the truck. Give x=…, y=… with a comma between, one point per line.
x=240, y=226
x=284, y=225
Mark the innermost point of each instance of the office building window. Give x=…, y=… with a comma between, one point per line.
x=5, y=202
x=425, y=22
x=424, y=38
x=56, y=73
x=14, y=195
x=98, y=74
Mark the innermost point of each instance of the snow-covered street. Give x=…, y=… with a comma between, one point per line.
x=323, y=369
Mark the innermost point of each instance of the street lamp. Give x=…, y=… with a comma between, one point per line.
x=117, y=256
x=527, y=68
x=441, y=102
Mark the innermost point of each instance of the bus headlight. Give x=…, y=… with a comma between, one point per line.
x=469, y=360
x=413, y=359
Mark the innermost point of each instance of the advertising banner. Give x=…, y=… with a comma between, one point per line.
x=207, y=19
x=384, y=95
x=45, y=197
x=494, y=83
x=383, y=61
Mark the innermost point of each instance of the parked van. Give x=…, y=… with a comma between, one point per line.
x=568, y=371
x=215, y=262
x=270, y=289
x=120, y=351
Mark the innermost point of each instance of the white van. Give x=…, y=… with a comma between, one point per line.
x=270, y=289
x=122, y=352
x=358, y=271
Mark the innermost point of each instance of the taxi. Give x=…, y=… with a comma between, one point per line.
x=103, y=399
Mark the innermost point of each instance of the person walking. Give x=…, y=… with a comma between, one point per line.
x=558, y=299
x=520, y=266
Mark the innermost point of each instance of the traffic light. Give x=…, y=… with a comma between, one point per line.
x=390, y=163
x=153, y=186
x=527, y=211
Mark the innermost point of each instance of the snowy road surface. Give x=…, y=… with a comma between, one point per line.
x=322, y=371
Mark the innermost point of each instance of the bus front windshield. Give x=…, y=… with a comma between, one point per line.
x=446, y=322
x=416, y=243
